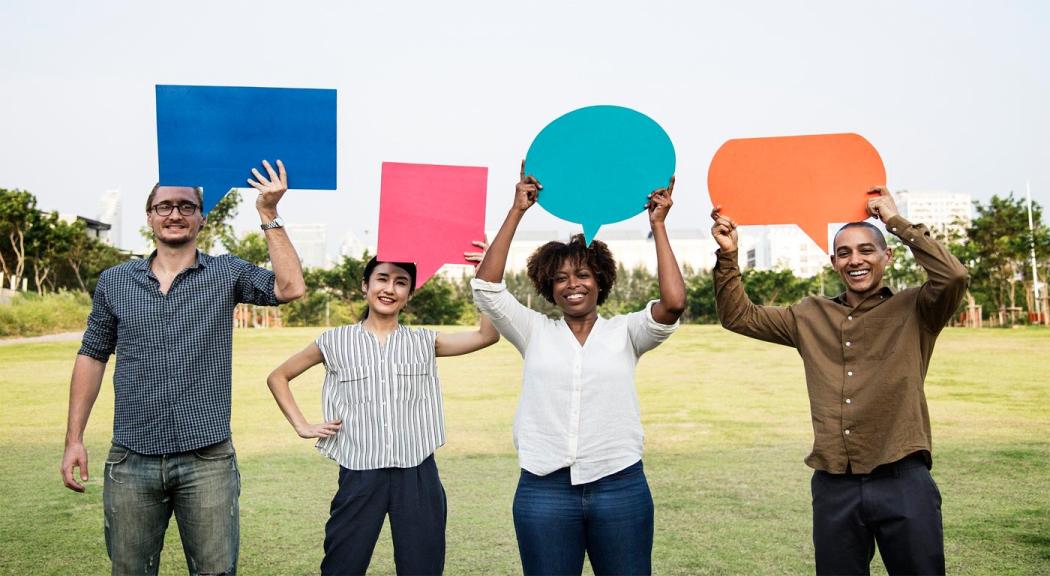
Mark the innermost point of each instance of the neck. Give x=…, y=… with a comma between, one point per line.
x=855, y=298
x=581, y=323
x=175, y=258
x=380, y=323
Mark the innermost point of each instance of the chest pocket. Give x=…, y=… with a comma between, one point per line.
x=882, y=335
x=353, y=386
x=412, y=380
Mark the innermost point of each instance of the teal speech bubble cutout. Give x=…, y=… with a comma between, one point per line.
x=598, y=165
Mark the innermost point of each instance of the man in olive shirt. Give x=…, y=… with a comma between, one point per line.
x=866, y=353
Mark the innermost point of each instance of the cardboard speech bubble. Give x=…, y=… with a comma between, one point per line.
x=429, y=214
x=811, y=181
x=598, y=164
x=212, y=136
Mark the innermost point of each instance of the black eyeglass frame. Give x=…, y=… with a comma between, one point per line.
x=165, y=209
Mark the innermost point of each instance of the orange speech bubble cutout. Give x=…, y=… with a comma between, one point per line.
x=811, y=181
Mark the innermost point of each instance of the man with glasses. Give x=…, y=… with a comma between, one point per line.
x=169, y=318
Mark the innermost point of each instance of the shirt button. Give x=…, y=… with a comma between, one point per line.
x=847, y=431
x=849, y=317
x=850, y=373
x=848, y=343
x=894, y=228
x=848, y=401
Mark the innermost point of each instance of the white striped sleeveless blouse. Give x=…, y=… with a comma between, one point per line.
x=388, y=397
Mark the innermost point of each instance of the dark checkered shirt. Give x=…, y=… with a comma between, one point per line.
x=172, y=380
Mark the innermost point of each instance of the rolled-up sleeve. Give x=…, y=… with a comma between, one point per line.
x=513, y=320
x=100, y=336
x=646, y=333
x=255, y=285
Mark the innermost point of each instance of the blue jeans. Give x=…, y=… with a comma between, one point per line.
x=611, y=519
x=201, y=487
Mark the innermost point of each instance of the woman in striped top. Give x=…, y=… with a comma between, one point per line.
x=383, y=420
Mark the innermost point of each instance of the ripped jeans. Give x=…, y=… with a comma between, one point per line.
x=200, y=486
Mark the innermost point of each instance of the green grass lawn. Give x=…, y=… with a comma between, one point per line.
x=727, y=426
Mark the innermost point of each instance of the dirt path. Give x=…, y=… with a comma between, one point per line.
x=60, y=337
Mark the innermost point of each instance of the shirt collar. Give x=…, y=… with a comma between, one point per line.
x=144, y=263
x=884, y=292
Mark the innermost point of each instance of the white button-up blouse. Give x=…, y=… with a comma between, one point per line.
x=578, y=406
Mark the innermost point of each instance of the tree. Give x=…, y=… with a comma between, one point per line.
x=774, y=287
x=250, y=247
x=997, y=248
x=46, y=241
x=435, y=302
x=17, y=212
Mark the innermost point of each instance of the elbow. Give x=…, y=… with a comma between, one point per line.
x=274, y=380
x=491, y=339
x=292, y=292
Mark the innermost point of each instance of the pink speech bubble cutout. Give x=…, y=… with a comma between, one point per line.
x=429, y=214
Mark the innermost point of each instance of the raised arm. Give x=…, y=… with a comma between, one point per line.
x=672, y=287
x=946, y=277
x=83, y=391
x=278, y=382
x=289, y=284
x=736, y=311
x=466, y=342
x=526, y=192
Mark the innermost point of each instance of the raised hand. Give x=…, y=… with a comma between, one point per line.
x=271, y=188
x=723, y=230
x=527, y=191
x=881, y=206
x=477, y=257
x=660, y=203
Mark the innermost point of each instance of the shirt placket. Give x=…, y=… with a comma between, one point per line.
x=574, y=410
x=386, y=403
x=850, y=353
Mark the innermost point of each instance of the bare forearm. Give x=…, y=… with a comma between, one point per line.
x=282, y=393
x=289, y=284
x=669, y=275
x=84, y=387
x=491, y=268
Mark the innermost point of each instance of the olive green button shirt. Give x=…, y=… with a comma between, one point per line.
x=865, y=366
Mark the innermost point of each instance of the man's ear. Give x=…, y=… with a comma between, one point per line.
x=889, y=255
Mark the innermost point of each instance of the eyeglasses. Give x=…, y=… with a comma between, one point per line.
x=165, y=209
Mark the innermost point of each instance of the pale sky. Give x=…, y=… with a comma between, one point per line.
x=954, y=95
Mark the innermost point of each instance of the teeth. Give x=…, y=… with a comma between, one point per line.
x=858, y=273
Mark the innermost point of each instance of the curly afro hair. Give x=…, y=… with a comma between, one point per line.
x=545, y=262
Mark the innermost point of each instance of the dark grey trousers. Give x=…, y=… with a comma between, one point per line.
x=896, y=506
x=415, y=501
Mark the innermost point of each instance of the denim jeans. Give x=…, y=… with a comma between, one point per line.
x=611, y=519
x=201, y=487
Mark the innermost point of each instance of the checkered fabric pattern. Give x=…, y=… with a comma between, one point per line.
x=172, y=380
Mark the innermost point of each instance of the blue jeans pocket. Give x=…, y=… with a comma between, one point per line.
x=219, y=451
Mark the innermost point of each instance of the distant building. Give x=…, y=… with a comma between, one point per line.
x=93, y=228
x=353, y=247
x=939, y=210
x=311, y=243
x=783, y=246
x=110, y=208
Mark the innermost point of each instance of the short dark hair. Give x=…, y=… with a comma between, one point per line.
x=197, y=189
x=545, y=262
x=408, y=267
x=880, y=240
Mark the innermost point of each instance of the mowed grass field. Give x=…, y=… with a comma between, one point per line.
x=727, y=426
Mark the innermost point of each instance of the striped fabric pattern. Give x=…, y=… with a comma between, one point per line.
x=387, y=395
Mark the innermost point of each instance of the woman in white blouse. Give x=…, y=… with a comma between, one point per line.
x=578, y=429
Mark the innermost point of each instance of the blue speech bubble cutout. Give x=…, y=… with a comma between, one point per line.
x=598, y=165
x=212, y=136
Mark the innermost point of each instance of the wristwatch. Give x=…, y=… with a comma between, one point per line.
x=278, y=222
